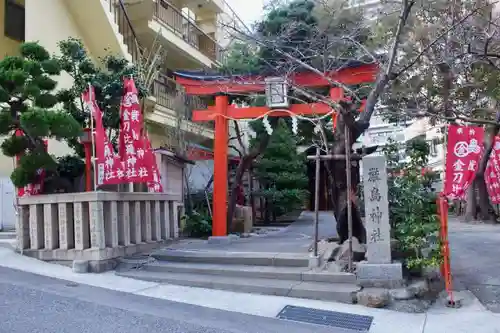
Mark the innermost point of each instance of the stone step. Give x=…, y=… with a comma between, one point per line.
x=7, y=235
x=339, y=292
x=259, y=272
x=8, y=244
x=233, y=258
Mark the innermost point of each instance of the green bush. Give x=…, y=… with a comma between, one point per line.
x=413, y=208
x=197, y=224
x=415, y=221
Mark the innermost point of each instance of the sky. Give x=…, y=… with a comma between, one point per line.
x=247, y=10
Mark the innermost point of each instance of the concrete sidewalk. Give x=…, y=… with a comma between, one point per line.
x=471, y=318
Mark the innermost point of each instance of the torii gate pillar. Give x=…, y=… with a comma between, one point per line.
x=354, y=74
x=219, y=225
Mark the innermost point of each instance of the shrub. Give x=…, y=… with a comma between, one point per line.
x=412, y=206
x=197, y=224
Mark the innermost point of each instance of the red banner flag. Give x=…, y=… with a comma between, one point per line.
x=465, y=145
x=37, y=187
x=492, y=172
x=132, y=148
x=492, y=184
x=154, y=186
x=109, y=168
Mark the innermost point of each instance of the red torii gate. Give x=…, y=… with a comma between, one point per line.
x=220, y=86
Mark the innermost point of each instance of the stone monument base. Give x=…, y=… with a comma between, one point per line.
x=222, y=239
x=379, y=275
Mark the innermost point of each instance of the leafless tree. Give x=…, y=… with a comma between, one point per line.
x=419, y=38
x=447, y=76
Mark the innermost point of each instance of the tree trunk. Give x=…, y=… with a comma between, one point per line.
x=486, y=210
x=245, y=163
x=267, y=210
x=238, y=179
x=340, y=196
x=340, y=191
x=471, y=203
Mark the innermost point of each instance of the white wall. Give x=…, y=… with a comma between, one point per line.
x=7, y=201
x=48, y=22
x=199, y=174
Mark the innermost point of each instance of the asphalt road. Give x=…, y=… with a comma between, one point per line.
x=475, y=261
x=35, y=304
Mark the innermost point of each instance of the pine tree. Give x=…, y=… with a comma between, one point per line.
x=27, y=103
x=106, y=76
x=282, y=172
x=107, y=79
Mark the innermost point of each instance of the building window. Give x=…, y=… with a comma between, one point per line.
x=433, y=148
x=14, y=20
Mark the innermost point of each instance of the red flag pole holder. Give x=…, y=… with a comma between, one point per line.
x=442, y=206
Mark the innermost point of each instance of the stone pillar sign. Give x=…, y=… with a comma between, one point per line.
x=378, y=270
x=378, y=229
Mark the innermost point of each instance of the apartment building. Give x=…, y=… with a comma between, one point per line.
x=381, y=132
x=188, y=31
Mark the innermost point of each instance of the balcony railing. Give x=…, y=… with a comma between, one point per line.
x=168, y=95
x=117, y=8
x=186, y=29
x=165, y=89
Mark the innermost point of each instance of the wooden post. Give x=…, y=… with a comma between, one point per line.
x=252, y=196
x=316, y=201
x=219, y=227
x=349, y=193
x=348, y=157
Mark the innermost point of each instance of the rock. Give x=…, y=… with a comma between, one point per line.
x=80, y=266
x=326, y=249
x=435, y=287
x=358, y=251
x=419, y=288
x=401, y=294
x=373, y=297
x=322, y=244
x=431, y=273
x=411, y=306
x=333, y=267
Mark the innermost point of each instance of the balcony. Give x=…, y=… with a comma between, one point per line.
x=168, y=95
x=185, y=28
x=171, y=104
x=119, y=12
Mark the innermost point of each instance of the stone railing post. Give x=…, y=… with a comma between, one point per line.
x=95, y=226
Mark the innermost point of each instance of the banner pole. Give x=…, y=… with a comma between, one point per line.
x=91, y=98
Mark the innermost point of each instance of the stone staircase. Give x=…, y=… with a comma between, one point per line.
x=249, y=272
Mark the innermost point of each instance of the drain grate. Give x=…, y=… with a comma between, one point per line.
x=327, y=318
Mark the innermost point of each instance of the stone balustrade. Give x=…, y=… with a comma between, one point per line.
x=97, y=227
